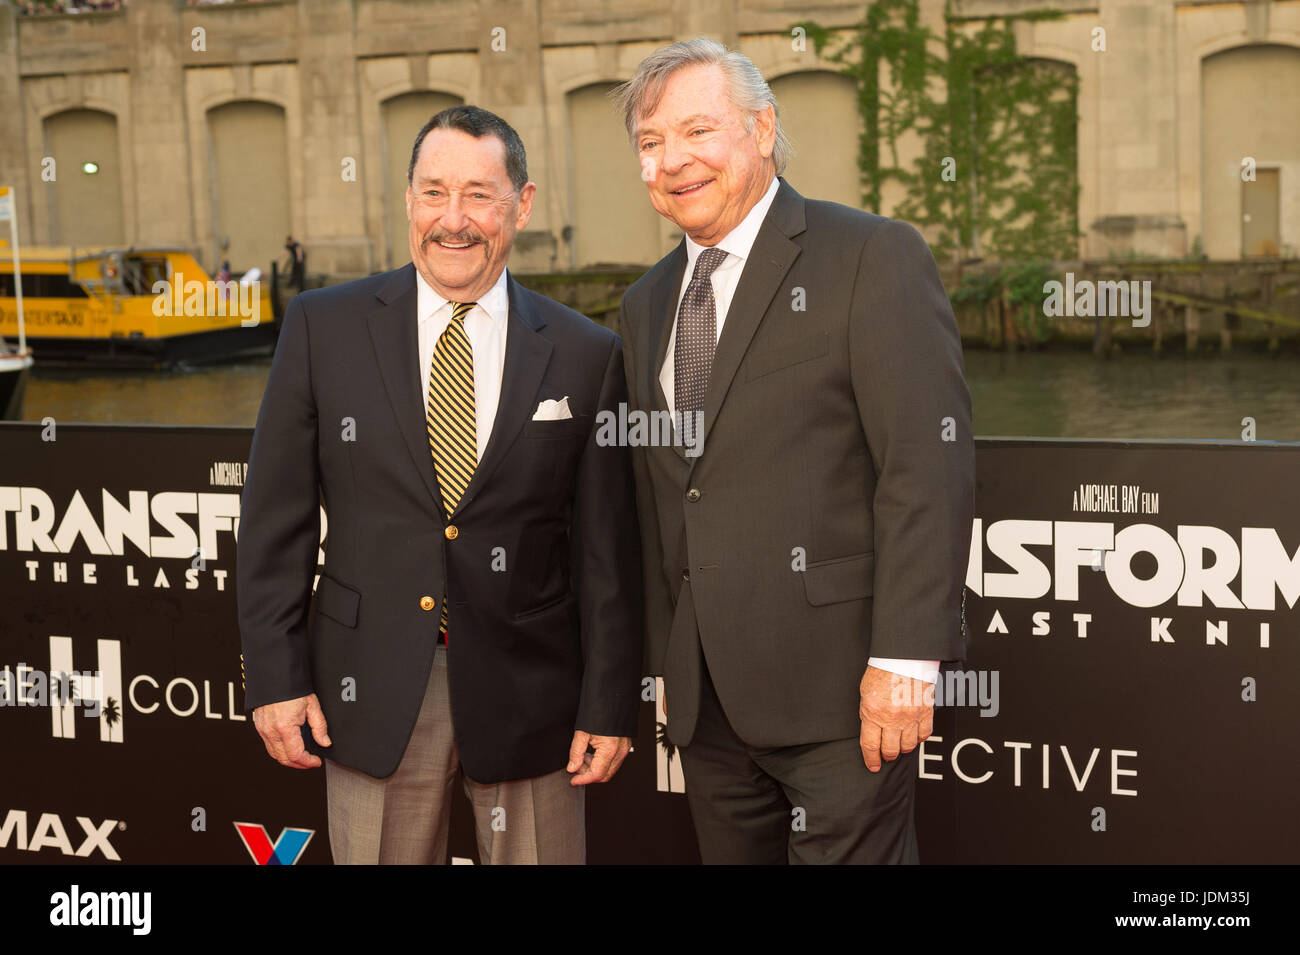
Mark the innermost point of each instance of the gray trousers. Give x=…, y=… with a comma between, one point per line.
x=817, y=803
x=404, y=819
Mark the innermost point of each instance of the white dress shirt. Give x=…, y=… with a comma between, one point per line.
x=725, y=278
x=485, y=325
x=737, y=244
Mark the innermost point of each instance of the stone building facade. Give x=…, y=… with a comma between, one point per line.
x=223, y=128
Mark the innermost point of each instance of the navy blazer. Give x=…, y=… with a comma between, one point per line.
x=540, y=561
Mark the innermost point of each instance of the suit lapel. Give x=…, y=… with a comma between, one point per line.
x=527, y=355
x=765, y=269
x=663, y=310
x=395, y=336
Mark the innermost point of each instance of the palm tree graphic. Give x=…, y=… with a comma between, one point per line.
x=63, y=687
x=661, y=738
x=58, y=690
x=111, y=715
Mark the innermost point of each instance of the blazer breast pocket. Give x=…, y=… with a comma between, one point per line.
x=840, y=579
x=770, y=359
x=337, y=601
x=577, y=426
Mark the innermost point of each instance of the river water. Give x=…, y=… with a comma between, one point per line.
x=1041, y=394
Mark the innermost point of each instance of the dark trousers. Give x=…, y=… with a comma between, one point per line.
x=813, y=804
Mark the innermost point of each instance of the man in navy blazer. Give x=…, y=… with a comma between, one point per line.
x=533, y=564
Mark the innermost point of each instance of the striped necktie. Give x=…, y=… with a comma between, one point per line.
x=453, y=439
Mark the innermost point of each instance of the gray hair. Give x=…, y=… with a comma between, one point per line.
x=746, y=88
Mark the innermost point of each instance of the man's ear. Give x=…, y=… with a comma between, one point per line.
x=408, y=203
x=525, y=205
x=765, y=129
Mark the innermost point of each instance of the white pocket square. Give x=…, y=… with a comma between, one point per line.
x=552, y=410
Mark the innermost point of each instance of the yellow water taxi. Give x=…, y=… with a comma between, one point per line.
x=151, y=307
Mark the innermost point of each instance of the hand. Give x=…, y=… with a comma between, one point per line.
x=278, y=725
x=897, y=713
x=600, y=768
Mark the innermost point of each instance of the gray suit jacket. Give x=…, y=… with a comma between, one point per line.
x=828, y=517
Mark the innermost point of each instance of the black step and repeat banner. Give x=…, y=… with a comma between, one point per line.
x=1130, y=694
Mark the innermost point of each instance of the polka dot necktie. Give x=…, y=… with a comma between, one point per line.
x=697, y=335
x=453, y=440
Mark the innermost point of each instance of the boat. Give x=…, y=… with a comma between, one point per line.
x=134, y=308
x=15, y=363
x=15, y=366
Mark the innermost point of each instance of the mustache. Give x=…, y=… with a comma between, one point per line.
x=441, y=235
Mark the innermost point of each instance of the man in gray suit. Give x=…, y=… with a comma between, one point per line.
x=805, y=551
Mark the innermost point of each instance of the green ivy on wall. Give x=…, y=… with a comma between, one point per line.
x=998, y=172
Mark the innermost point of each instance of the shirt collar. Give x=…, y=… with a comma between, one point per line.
x=495, y=302
x=739, y=240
